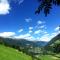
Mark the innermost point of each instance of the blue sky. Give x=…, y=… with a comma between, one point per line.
x=18, y=20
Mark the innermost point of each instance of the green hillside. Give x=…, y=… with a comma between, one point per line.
x=7, y=53
x=50, y=52
x=50, y=57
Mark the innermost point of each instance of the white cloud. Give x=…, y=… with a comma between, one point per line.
x=40, y=22
x=25, y=36
x=30, y=28
x=20, y=30
x=43, y=26
x=28, y=19
x=21, y=1
x=57, y=29
x=30, y=31
x=45, y=38
x=16, y=1
x=45, y=32
x=54, y=34
x=37, y=35
x=4, y=7
x=7, y=34
x=48, y=37
x=40, y=25
x=38, y=31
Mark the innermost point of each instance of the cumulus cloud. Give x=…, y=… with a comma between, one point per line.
x=21, y=1
x=20, y=30
x=25, y=36
x=40, y=22
x=45, y=38
x=28, y=19
x=44, y=35
x=7, y=34
x=45, y=32
x=54, y=34
x=16, y=1
x=28, y=36
x=30, y=31
x=4, y=7
x=30, y=28
x=37, y=31
x=40, y=25
x=57, y=28
x=43, y=26
x=48, y=37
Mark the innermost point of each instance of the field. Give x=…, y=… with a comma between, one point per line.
x=7, y=53
x=49, y=57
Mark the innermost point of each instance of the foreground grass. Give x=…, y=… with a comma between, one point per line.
x=49, y=57
x=7, y=53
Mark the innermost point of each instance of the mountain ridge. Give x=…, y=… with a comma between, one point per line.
x=22, y=42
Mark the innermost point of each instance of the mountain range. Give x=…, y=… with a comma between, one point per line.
x=22, y=42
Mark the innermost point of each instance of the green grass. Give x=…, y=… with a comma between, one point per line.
x=7, y=53
x=49, y=57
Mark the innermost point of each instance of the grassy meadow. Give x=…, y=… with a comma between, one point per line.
x=7, y=53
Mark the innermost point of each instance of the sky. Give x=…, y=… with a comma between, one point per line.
x=18, y=20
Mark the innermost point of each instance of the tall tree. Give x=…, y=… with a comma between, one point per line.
x=46, y=5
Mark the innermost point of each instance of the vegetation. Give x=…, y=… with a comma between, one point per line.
x=7, y=53
x=49, y=57
x=46, y=5
x=18, y=52
x=54, y=45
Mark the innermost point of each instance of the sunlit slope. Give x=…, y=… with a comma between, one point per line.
x=7, y=53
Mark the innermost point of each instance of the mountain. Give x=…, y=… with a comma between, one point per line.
x=22, y=42
x=57, y=37
x=40, y=43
